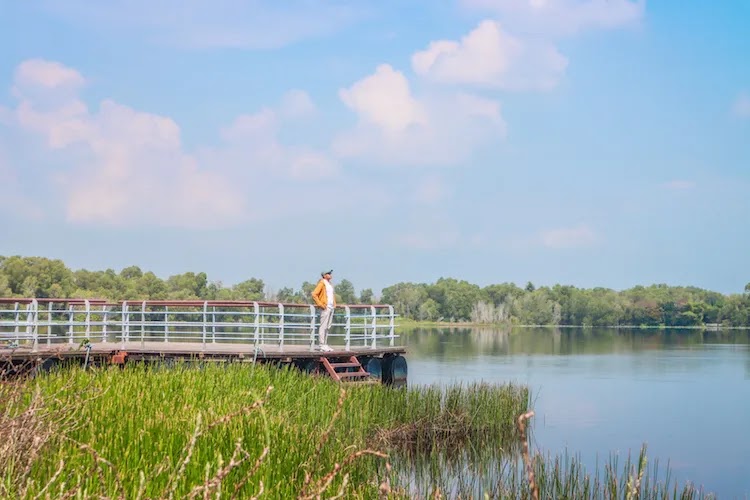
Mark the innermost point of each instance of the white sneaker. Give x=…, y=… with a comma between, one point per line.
x=326, y=348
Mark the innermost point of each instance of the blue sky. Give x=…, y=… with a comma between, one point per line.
x=586, y=142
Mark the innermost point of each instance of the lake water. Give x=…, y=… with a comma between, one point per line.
x=686, y=394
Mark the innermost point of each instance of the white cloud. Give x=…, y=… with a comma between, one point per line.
x=569, y=237
x=741, y=106
x=679, y=185
x=312, y=165
x=430, y=190
x=562, y=17
x=129, y=167
x=13, y=200
x=49, y=74
x=397, y=127
x=489, y=56
x=384, y=100
x=245, y=24
x=134, y=171
x=296, y=103
x=252, y=145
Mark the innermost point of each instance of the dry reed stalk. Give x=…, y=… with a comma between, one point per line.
x=324, y=482
x=525, y=452
x=260, y=491
x=174, y=478
x=385, y=487
x=215, y=482
x=72, y=492
x=172, y=484
x=51, y=480
x=155, y=473
x=250, y=474
x=448, y=431
x=99, y=459
x=22, y=434
x=324, y=436
x=633, y=487
x=242, y=411
x=342, y=488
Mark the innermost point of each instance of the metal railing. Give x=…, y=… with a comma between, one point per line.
x=36, y=322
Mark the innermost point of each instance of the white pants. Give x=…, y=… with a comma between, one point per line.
x=326, y=318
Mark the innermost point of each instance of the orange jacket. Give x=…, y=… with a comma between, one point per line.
x=320, y=297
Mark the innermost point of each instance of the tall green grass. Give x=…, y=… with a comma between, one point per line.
x=245, y=431
x=143, y=432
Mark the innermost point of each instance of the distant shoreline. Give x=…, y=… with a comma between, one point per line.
x=409, y=323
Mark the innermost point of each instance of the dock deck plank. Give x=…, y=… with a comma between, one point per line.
x=191, y=349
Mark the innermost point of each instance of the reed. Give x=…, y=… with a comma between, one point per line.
x=243, y=431
x=555, y=476
x=169, y=433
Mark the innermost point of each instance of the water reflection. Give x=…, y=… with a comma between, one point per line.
x=684, y=392
x=470, y=342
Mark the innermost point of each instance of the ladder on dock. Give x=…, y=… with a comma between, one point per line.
x=342, y=371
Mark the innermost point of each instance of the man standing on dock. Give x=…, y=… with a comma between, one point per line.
x=325, y=299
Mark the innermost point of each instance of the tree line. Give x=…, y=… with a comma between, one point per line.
x=447, y=299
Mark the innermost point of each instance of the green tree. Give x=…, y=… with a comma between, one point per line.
x=503, y=293
x=536, y=308
x=428, y=311
x=287, y=295
x=150, y=287
x=35, y=277
x=455, y=298
x=4, y=287
x=405, y=297
x=307, y=290
x=345, y=291
x=251, y=289
x=188, y=286
x=131, y=273
x=366, y=296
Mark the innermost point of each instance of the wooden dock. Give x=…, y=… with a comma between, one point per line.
x=188, y=351
x=42, y=333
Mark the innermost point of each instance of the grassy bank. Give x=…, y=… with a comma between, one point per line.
x=265, y=432
x=146, y=433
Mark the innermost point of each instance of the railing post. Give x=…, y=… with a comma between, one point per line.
x=88, y=318
x=34, y=316
x=166, y=323
x=71, y=317
x=124, y=330
x=312, y=326
x=143, y=323
x=213, y=324
x=29, y=319
x=281, y=324
x=392, y=326
x=256, y=313
x=17, y=321
x=348, y=327
x=205, y=320
x=374, y=327
x=105, y=312
x=49, y=324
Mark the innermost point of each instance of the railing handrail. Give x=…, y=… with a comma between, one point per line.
x=258, y=322
x=174, y=303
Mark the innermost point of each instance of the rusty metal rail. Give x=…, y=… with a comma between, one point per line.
x=39, y=322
